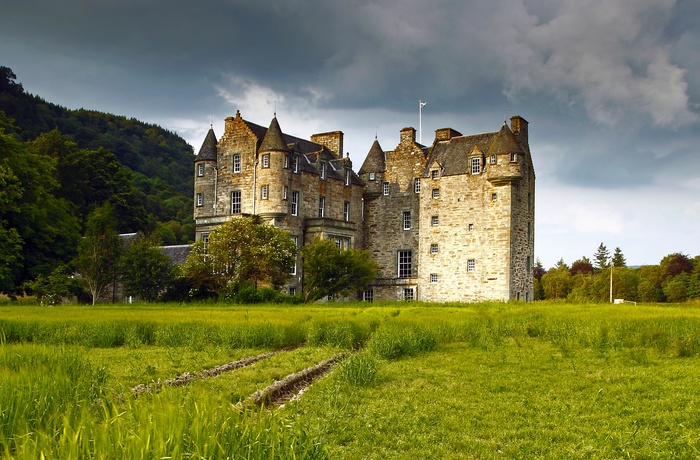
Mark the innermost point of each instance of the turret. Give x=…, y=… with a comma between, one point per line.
x=373, y=169
x=505, y=158
x=271, y=179
x=205, y=173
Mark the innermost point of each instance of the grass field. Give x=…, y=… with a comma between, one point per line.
x=537, y=380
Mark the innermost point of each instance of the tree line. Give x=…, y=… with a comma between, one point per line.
x=675, y=279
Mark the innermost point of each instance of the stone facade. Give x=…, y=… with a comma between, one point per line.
x=450, y=222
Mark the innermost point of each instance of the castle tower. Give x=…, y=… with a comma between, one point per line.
x=272, y=175
x=205, y=173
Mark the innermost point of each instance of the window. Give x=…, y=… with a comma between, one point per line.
x=494, y=197
x=263, y=191
x=348, y=175
x=407, y=220
x=407, y=294
x=372, y=176
x=286, y=161
x=295, y=203
x=513, y=157
x=296, y=243
x=285, y=192
x=296, y=163
x=471, y=227
x=433, y=278
x=416, y=185
x=492, y=160
x=434, y=248
x=323, y=170
x=385, y=188
x=200, y=199
x=266, y=161
x=470, y=265
x=435, y=173
x=434, y=221
x=436, y=193
x=528, y=265
x=405, y=264
x=346, y=211
x=368, y=295
x=236, y=202
x=200, y=169
x=321, y=205
x=236, y=163
x=292, y=290
x=476, y=165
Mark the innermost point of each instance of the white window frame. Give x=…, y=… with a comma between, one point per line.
x=368, y=295
x=295, y=162
x=264, y=192
x=237, y=163
x=286, y=161
x=436, y=193
x=385, y=188
x=348, y=174
x=200, y=199
x=321, y=206
x=407, y=220
x=416, y=185
x=471, y=265
x=346, y=211
x=322, y=166
x=372, y=176
x=408, y=294
x=434, y=248
x=200, y=170
x=295, y=203
x=236, y=201
x=435, y=173
x=285, y=192
x=433, y=278
x=404, y=261
x=266, y=160
x=476, y=165
x=493, y=159
x=434, y=221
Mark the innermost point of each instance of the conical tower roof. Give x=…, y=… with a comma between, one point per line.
x=505, y=142
x=208, y=150
x=273, y=140
x=375, y=161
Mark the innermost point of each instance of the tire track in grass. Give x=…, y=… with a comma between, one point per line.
x=291, y=386
x=187, y=377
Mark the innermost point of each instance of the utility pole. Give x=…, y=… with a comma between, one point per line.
x=421, y=104
x=612, y=264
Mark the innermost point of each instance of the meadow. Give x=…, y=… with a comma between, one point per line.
x=492, y=380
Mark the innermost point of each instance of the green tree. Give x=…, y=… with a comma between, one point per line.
x=146, y=270
x=241, y=251
x=674, y=264
x=58, y=285
x=676, y=288
x=601, y=257
x=330, y=270
x=557, y=282
x=618, y=259
x=99, y=252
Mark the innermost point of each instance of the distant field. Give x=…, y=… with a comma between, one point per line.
x=495, y=380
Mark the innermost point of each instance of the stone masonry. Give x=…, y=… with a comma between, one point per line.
x=453, y=221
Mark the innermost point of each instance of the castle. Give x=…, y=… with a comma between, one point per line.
x=453, y=221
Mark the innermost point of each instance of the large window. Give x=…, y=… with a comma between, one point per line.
x=476, y=165
x=236, y=202
x=321, y=206
x=405, y=264
x=407, y=220
x=295, y=203
x=236, y=163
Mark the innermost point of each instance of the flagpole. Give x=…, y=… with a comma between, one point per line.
x=420, y=120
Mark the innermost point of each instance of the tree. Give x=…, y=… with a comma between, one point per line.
x=330, y=270
x=618, y=259
x=674, y=264
x=582, y=265
x=601, y=257
x=557, y=281
x=99, y=251
x=241, y=251
x=52, y=289
x=146, y=270
x=676, y=288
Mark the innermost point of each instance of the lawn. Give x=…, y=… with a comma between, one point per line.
x=513, y=380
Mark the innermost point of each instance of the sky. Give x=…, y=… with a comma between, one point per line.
x=610, y=88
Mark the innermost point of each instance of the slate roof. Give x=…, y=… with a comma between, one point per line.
x=177, y=254
x=375, y=160
x=208, y=150
x=453, y=154
x=273, y=139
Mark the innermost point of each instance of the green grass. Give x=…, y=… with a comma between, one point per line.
x=491, y=380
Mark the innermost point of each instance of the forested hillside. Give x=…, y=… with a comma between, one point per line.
x=57, y=166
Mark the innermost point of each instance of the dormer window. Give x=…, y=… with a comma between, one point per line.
x=476, y=165
x=513, y=157
x=492, y=159
x=435, y=173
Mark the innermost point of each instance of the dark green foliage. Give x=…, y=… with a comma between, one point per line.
x=601, y=257
x=331, y=271
x=146, y=270
x=53, y=289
